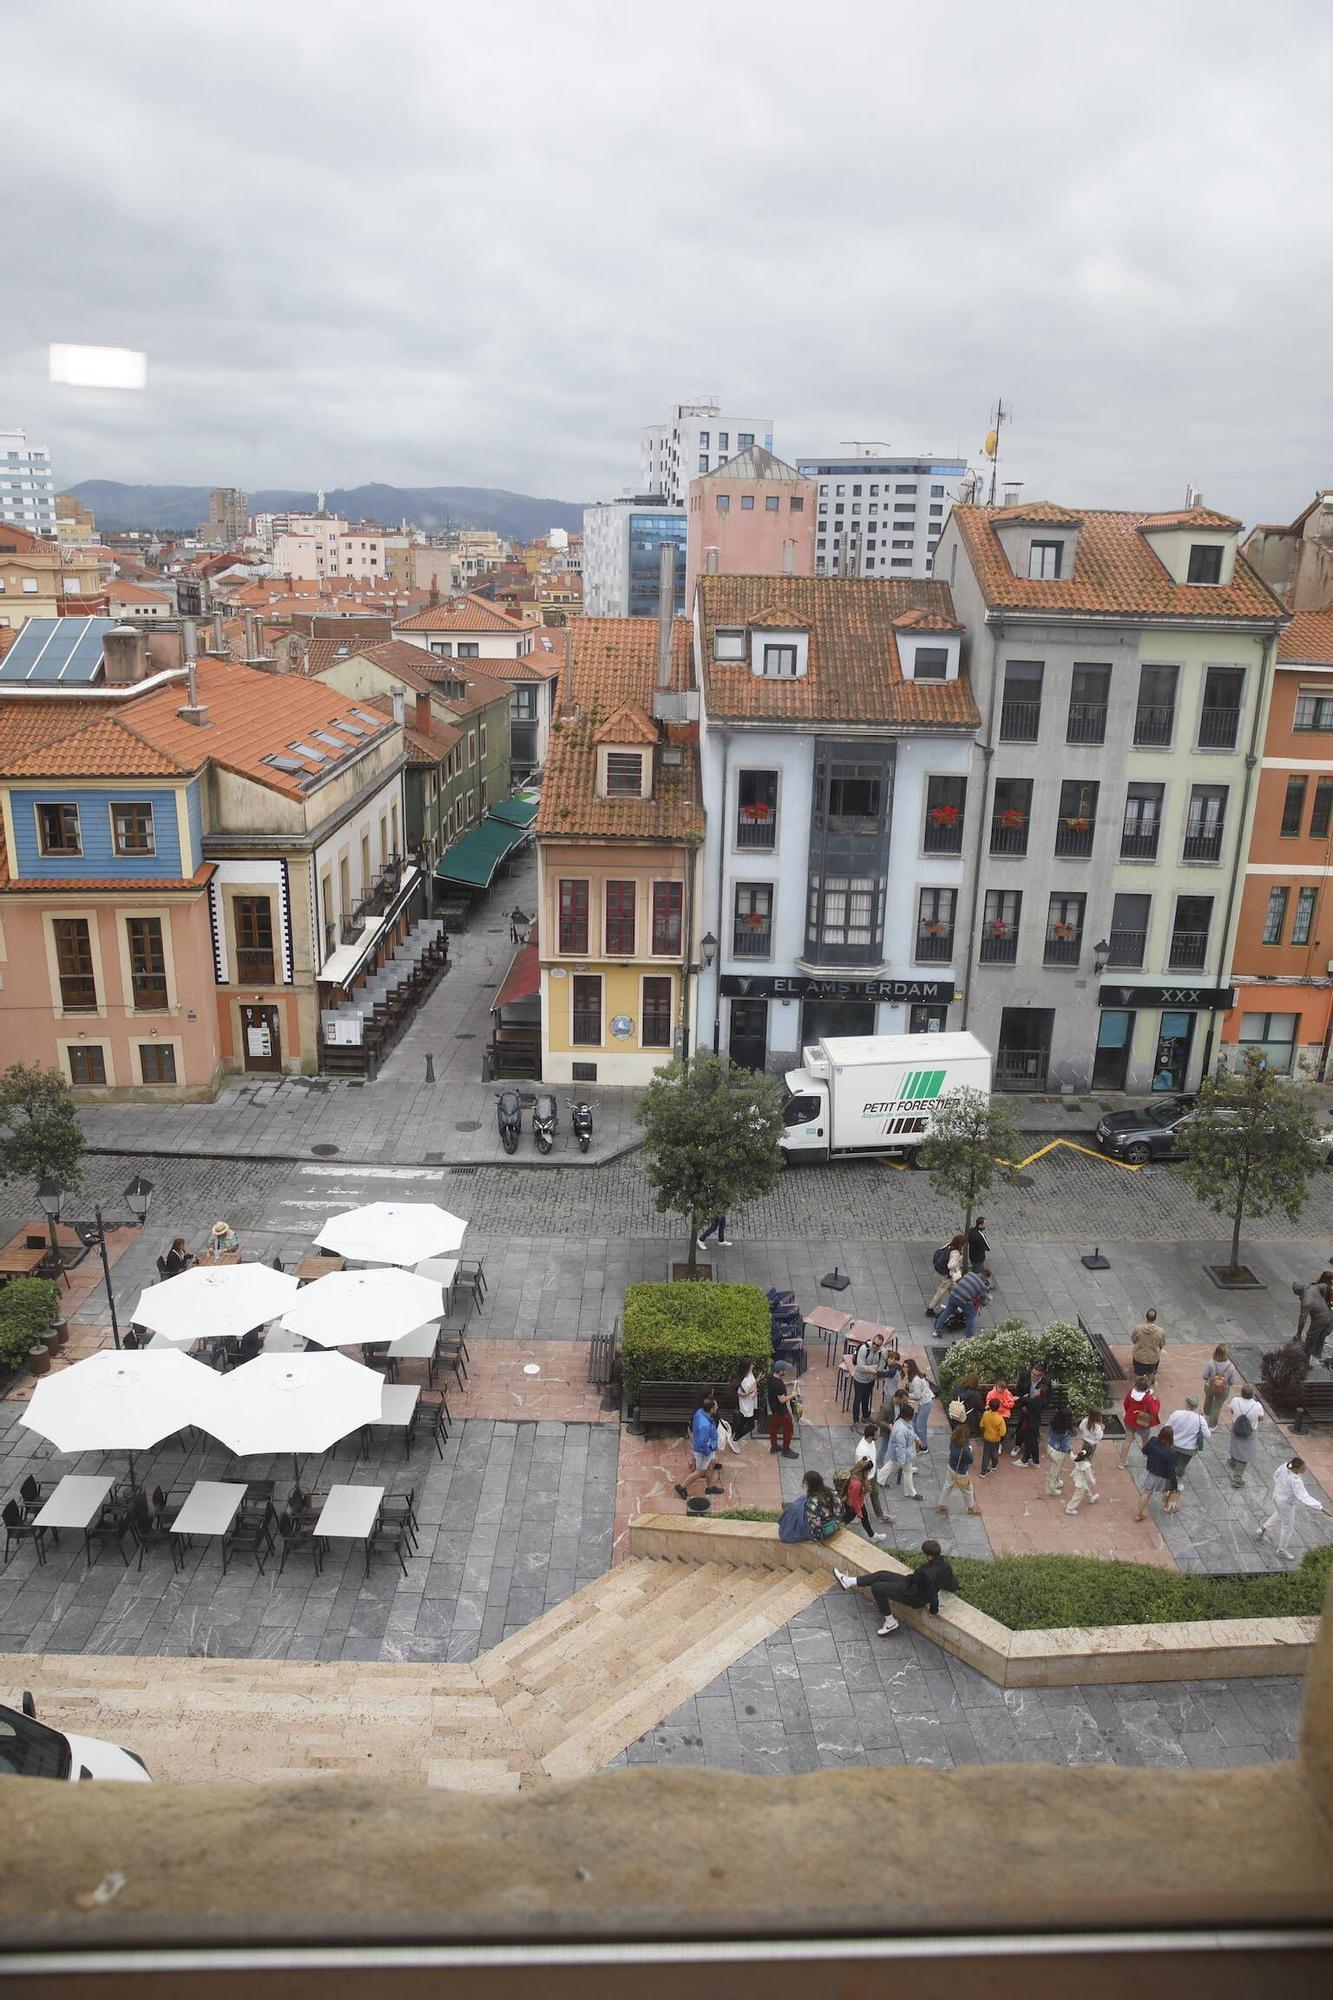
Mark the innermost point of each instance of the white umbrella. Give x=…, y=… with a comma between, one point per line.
x=393, y=1232
x=215, y=1301
x=293, y=1402
x=121, y=1401
x=349, y=1306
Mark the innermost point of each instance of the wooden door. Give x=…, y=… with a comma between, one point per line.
x=260, y=1038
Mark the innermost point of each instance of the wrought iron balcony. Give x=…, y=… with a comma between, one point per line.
x=1138, y=843
x=1154, y=723
x=1127, y=948
x=934, y=944
x=752, y=938
x=1073, y=838
x=1203, y=843
x=999, y=947
x=1219, y=728
x=1020, y=721
x=1189, y=951
x=1061, y=950
x=1087, y=722
x=1008, y=838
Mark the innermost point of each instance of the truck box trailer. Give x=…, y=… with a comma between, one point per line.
x=876, y=1094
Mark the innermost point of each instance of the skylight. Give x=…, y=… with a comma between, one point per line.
x=334, y=742
x=308, y=750
x=284, y=764
x=375, y=722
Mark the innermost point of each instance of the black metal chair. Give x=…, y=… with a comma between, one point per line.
x=17, y=1529
x=384, y=1536
x=166, y=1505
x=398, y=1510
x=249, y=1536
x=439, y=1423
x=472, y=1274
x=162, y=1269
x=299, y=1539
x=31, y=1493
x=151, y=1532
x=112, y=1525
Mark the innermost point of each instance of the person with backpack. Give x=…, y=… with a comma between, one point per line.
x=967, y=1296
x=1220, y=1380
x=1289, y=1492
x=958, y=1478
x=920, y=1590
x=1159, y=1472
x=813, y=1516
x=1247, y=1413
x=1143, y=1413
x=866, y=1371
x=947, y=1264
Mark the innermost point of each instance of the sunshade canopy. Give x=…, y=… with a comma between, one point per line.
x=293, y=1402
x=124, y=1400
x=347, y=1306
x=474, y=859
x=520, y=811
x=215, y=1301
x=393, y=1232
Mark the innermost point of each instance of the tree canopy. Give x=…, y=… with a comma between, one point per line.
x=40, y=1134
x=710, y=1138
x=971, y=1143
x=1248, y=1146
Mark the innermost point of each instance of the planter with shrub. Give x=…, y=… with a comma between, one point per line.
x=27, y=1308
x=1002, y=1354
x=692, y=1333
x=1282, y=1374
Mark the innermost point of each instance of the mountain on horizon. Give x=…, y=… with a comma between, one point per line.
x=120, y=508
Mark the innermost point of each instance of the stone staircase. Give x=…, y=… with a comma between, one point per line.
x=555, y=1701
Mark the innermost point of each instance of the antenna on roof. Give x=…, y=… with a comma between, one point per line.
x=867, y=445
x=991, y=448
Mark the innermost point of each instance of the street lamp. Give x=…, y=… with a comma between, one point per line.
x=51, y=1194
x=1101, y=951
x=519, y=925
x=708, y=947
x=139, y=1199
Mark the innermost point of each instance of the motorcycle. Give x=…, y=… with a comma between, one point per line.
x=509, y=1117
x=544, y=1117
x=581, y=1113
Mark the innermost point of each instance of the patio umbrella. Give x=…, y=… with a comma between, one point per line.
x=351, y=1306
x=393, y=1232
x=121, y=1401
x=215, y=1301
x=293, y=1402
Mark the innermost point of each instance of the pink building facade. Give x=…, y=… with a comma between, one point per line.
x=754, y=516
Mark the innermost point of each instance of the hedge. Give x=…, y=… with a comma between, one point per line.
x=27, y=1308
x=692, y=1333
x=1002, y=1354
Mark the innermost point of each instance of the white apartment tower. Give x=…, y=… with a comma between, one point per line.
x=697, y=438
x=879, y=514
x=27, y=489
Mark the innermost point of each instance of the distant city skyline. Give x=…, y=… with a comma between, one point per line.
x=397, y=270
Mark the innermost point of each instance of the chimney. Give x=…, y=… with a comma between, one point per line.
x=219, y=636
x=788, y=558
x=666, y=611
x=192, y=711
x=398, y=696
x=712, y=559
x=254, y=641
x=1012, y=488
x=423, y=722
x=569, y=708
x=434, y=590
x=124, y=655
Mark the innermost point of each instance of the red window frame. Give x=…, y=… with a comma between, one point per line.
x=573, y=914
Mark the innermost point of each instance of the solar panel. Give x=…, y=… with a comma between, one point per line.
x=308, y=750
x=56, y=651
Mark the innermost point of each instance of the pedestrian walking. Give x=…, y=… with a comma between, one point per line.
x=968, y=1296
x=948, y=1264
x=993, y=1428
x=717, y=1227
x=1027, y=1422
x=747, y=1400
x=1059, y=1447
x=1289, y=1492
x=978, y=1248
x=958, y=1478
x=1191, y=1433
x=856, y=1498
x=920, y=1394
x=972, y=1397
x=1085, y=1481
x=903, y=1449
x=1220, y=1380
x=703, y=1449
x=1159, y=1471
x=865, y=1374
x=813, y=1516
x=919, y=1591
x=868, y=1457
x=1147, y=1341
x=1143, y=1413
x=1091, y=1431
x=1247, y=1413
x=779, y=1393
x=1314, y=1316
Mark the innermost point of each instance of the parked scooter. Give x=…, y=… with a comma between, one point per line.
x=544, y=1118
x=509, y=1117
x=581, y=1114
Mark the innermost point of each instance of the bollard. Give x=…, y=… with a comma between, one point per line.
x=430, y=1069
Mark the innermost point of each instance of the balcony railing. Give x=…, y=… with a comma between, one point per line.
x=1008, y=839
x=1203, y=843
x=1062, y=950
x=999, y=947
x=1189, y=951
x=1020, y=721
x=757, y=832
x=330, y=938
x=1127, y=948
x=934, y=945
x=753, y=938
x=1154, y=722
x=350, y=928
x=1021, y=1069
x=254, y=968
x=943, y=837
x=1219, y=728
x=1139, y=843
x=1073, y=838
x=1087, y=722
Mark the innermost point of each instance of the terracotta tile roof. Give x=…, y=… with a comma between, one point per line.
x=1116, y=572
x=21, y=542
x=778, y=618
x=916, y=619
x=854, y=674
x=405, y=662
x=253, y=715
x=628, y=724
x=1192, y=517
x=123, y=592
x=1037, y=510
x=465, y=614
x=481, y=689
x=109, y=885
x=614, y=664
x=83, y=740
x=1308, y=637
x=422, y=748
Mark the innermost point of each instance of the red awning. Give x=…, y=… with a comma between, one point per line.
x=523, y=981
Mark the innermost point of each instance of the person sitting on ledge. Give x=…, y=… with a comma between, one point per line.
x=919, y=1591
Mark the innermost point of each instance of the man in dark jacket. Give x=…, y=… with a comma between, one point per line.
x=978, y=1249
x=919, y=1591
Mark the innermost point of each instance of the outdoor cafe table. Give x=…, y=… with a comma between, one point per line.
x=828, y=1322
x=349, y=1515
x=210, y=1509
x=207, y=1257
x=76, y=1503
x=314, y=1265
x=397, y=1412
x=17, y=1262
x=419, y=1345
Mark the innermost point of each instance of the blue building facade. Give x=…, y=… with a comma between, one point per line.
x=647, y=535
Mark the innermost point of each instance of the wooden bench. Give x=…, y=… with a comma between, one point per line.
x=602, y=1357
x=1314, y=1404
x=674, y=1403
x=1110, y=1366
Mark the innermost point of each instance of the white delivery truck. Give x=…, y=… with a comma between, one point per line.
x=875, y=1094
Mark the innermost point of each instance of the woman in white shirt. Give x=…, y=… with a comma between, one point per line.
x=1091, y=1431
x=747, y=1402
x=1289, y=1492
x=920, y=1395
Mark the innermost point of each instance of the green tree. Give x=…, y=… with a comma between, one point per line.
x=972, y=1144
x=40, y=1134
x=710, y=1138
x=1248, y=1147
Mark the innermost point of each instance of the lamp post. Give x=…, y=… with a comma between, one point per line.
x=1101, y=951
x=139, y=1198
x=51, y=1194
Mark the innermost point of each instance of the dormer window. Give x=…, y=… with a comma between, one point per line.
x=624, y=774
x=1044, y=559
x=1205, y=563
x=779, y=661
x=930, y=663
x=728, y=643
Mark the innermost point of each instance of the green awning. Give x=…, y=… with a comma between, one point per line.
x=519, y=811
x=474, y=859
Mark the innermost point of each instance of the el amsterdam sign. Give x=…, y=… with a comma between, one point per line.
x=1188, y=998
x=804, y=986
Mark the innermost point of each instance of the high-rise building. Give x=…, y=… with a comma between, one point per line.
x=27, y=489
x=622, y=551
x=880, y=515
x=228, y=515
x=697, y=438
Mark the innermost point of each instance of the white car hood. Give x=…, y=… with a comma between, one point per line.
x=104, y=1760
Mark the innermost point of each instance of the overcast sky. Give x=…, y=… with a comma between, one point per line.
x=444, y=245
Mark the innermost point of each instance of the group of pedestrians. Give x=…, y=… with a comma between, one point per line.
x=965, y=1282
